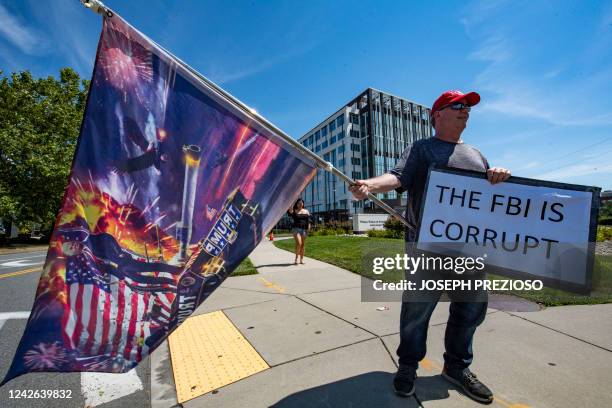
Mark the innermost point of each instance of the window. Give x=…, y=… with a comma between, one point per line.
x=326, y=157
x=341, y=149
x=354, y=118
x=340, y=120
x=354, y=133
x=310, y=140
x=355, y=147
x=324, y=131
x=355, y=161
x=324, y=145
x=317, y=135
x=341, y=135
x=333, y=140
x=317, y=149
x=356, y=175
x=341, y=163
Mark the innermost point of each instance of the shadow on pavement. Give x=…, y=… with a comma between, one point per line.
x=275, y=265
x=509, y=303
x=433, y=388
x=368, y=390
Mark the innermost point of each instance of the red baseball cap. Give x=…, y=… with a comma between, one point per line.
x=450, y=97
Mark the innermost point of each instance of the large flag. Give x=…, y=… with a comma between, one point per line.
x=173, y=184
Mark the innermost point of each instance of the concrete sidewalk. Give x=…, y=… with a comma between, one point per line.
x=327, y=348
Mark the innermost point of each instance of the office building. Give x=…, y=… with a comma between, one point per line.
x=363, y=139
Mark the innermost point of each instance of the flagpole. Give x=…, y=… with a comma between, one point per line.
x=99, y=7
x=298, y=146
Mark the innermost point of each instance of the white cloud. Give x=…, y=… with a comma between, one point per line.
x=225, y=75
x=577, y=170
x=67, y=21
x=552, y=73
x=494, y=50
x=478, y=11
x=23, y=37
x=516, y=86
x=530, y=165
x=252, y=52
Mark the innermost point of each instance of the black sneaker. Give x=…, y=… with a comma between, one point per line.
x=471, y=386
x=403, y=383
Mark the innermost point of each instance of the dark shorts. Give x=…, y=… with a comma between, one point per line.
x=302, y=231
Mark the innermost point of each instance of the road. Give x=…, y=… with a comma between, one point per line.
x=19, y=274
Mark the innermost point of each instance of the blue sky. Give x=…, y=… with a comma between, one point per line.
x=543, y=68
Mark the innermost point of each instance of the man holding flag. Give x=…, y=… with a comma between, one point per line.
x=449, y=116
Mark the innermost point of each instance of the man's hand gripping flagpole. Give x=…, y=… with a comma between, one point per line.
x=330, y=168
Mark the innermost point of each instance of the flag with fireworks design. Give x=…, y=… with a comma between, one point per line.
x=172, y=186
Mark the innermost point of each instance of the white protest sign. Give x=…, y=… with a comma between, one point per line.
x=522, y=227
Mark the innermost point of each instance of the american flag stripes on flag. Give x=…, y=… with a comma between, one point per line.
x=165, y=162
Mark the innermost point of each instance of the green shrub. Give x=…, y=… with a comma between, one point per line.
x=344, y=227
x=322, y=231
x=332, y=228
x=393, y=224
x=394, y=228
x=604, y=233
x=385, y=234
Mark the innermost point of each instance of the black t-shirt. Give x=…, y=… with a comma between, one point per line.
x=412, y=168
x=300, y=220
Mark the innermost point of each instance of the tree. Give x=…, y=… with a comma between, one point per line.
x=39, y=125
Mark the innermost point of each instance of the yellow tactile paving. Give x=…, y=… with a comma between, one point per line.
x=209, y=352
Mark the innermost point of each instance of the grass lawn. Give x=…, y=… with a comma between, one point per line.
x=355, y=254
x=245, y=268
x=351, y=253
x=602, y=288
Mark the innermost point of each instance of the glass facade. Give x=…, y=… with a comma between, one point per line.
x=379, y=126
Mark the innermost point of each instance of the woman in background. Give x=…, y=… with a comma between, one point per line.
x=300, y=228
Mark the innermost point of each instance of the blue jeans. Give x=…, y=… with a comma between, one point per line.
x=464, y=318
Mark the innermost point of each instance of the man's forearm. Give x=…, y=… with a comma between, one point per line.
x=383, y=183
